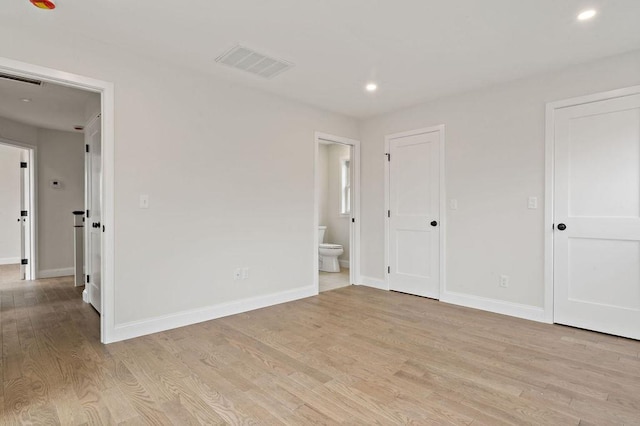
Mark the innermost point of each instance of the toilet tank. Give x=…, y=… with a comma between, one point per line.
x=321, y=230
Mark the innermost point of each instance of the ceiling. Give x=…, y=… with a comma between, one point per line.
x=415, y=50
x=50, y=106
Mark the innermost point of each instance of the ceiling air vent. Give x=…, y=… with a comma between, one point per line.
x=20, y=79
x=249, y=60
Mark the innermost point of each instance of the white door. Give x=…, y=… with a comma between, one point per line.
x=93, y=224
x=25, y=212
x=597, y=216
x=414, y=213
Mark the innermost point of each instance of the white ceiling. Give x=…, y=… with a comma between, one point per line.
x=415, y=49
x=51, y=106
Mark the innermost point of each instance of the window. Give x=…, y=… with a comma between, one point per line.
x=346, y=186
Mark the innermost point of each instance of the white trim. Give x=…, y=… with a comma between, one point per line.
x=354, y=238
x=373, y=282
x=10, y=260
x=443, y=201
x=344, y=263
x=32, y=217
x=166, y=322
x=551, y=107
x=106, y=89
x=55, y=273
x=533, y=313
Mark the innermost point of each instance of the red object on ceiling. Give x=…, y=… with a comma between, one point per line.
x=43, y=4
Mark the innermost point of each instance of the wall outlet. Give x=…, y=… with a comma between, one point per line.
x=453, y=204
x=532, y=203
x=237, y=274
x=245, y=273
x=504, y=281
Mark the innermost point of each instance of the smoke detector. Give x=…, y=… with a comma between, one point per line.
x=246, y=59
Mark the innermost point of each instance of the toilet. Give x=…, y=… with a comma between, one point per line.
x=328, y=253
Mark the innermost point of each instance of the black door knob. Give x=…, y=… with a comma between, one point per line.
x=562, y=227
x=434, y=223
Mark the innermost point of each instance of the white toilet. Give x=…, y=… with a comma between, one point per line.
x=328, y=253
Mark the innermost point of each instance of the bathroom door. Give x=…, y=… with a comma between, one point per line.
x=25, y=216
x=93, y=225
x=413, y=215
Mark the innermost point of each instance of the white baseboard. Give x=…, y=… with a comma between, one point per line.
x=373, y=282
x=529, y=312
x=55, y=273
x=167, y=322
x=9, y=260
x=344, y=263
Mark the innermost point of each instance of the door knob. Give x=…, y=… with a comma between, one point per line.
x=562, y=227
x=434, y=223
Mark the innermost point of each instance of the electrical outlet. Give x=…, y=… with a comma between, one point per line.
x=245, y=273
x=237, y=274
x=504, y=281
x=532, y=203
x=453, y=204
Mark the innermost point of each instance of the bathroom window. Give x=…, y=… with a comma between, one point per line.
x=346, y=187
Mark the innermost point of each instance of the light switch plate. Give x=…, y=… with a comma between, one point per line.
x=144, y=201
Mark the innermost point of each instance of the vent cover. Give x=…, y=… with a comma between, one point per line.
x=249, y=60
x=20, y=79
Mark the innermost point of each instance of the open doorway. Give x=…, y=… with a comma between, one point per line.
x=53, y=194
x=336, y=224
x=16, y=218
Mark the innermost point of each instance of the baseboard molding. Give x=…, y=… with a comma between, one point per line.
x=167, y=322
x=373, y=282
x=344, y=263
x=529, y=312
x=55, y=273
x=9, y=260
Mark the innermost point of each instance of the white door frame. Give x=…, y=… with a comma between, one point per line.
x=31, y=270
x=354, y=238
x=443, y=198
x=106, y=90
x=549, y=182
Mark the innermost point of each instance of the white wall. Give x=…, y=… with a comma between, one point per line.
x=338, y=224
x=60, y=157
x=494, y=161
x=229, y=172
x=9, y=205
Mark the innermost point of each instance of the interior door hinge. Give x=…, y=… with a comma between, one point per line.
x=86, y=148
x=88, y=279
x=388, y=213
x=388, y=154
x=353, y=220
x=23, y=165
x=388, y=269
x=25, y=261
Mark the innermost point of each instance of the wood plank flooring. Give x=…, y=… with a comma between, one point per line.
x=355, y=355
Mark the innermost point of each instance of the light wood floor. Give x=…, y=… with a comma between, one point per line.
x=353, y=355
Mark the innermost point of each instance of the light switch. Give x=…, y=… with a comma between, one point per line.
x=453, y=204
x=532, y=203
x=144, y=201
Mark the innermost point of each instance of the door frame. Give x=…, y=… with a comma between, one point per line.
x=32, y=269
x=443, y=210
x=549, y=182
x=354, y=238
x=106, y=91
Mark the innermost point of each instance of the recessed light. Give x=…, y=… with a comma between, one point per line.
x=586, y=15
x=371, y=87
x=25, y=100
